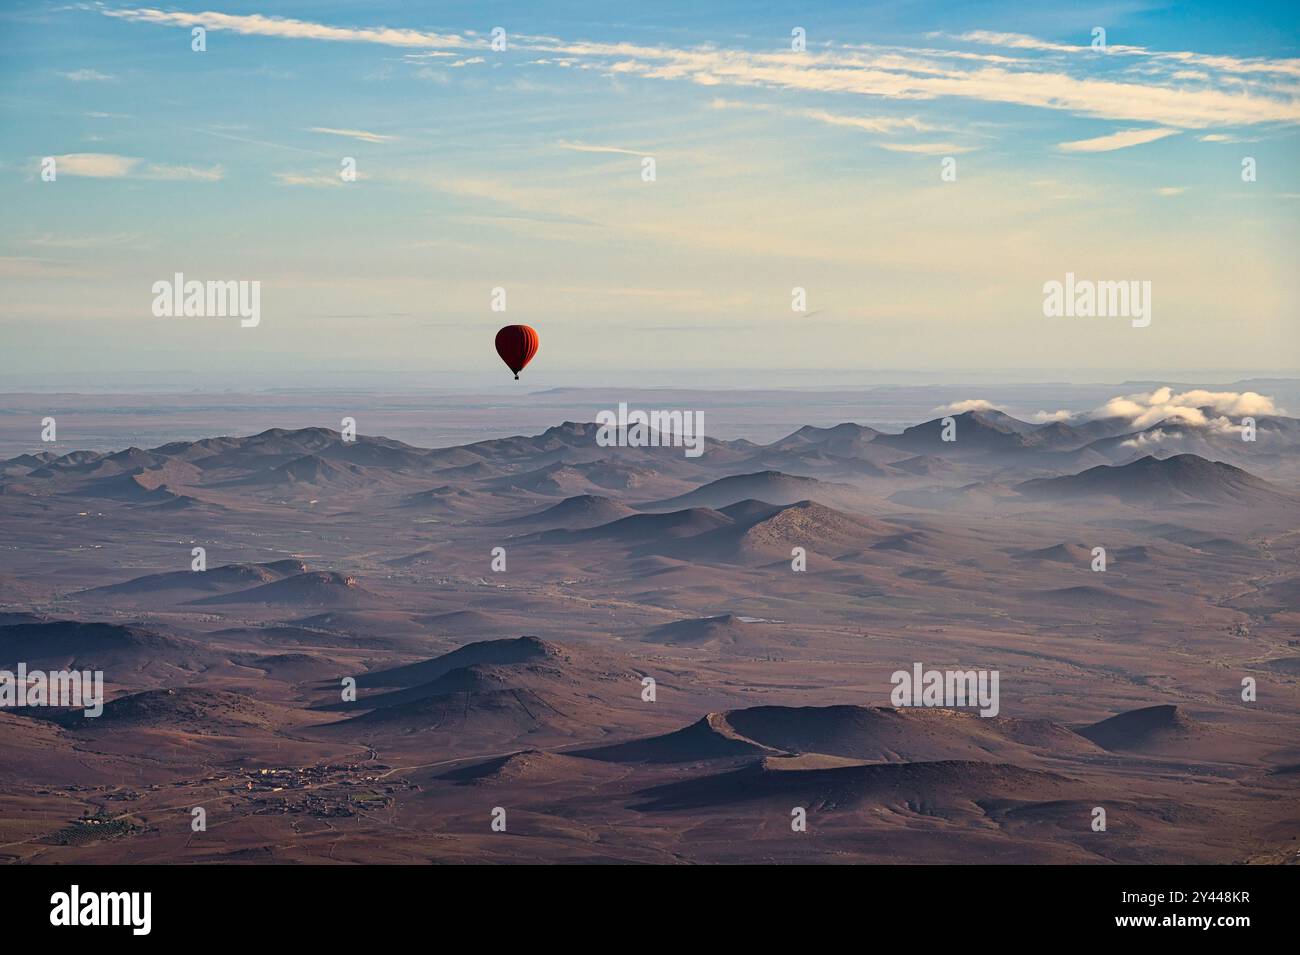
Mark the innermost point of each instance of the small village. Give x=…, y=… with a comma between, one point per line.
x=329, y=791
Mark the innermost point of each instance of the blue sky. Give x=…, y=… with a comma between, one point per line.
x=522, y=169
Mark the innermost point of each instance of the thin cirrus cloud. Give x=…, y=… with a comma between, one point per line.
x=1120, y=140
x=586, y=148
x=112, y=240
x=86, y=76
x=884, y=125
x=113, y=166
x=1045, y=86
x=928, y=149
x=875, y=124
x=869, y=124
x=172, y=173
x=1012, y=41
x=1241, y=92
x=1176, y=59
x=258, y=25
x=308, y=179
x=360, y=134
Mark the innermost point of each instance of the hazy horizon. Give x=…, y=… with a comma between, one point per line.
x=436, y=418
x=340, y=380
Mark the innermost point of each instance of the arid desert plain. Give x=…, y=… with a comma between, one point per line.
x=548, y=648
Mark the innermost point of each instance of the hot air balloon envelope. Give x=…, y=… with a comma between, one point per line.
x=517, y=344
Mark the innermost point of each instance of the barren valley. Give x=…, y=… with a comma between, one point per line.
x=514, y=683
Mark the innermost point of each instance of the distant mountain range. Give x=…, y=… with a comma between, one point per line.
x=565, y=462
x=1181, y=478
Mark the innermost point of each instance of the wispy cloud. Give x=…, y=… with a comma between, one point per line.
x=360, y=134
x=86, y=76
x=900, y=76
x=94, y=165
x=174, y=173
x=873, y=124
x=258, y=25
x=1176, y=59
x=314, y=180
x=221, y=134
x=928, y=149
x=1014, y=41
x=586, y=148
x=870, y=124
x=24, y=267
x=1051, y=81
x=1120, y=140
x=1226, y=138
x=113, y=166
x=50, y=241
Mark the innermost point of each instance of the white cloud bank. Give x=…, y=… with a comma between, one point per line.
x=1198, y=408
x=1152, y=407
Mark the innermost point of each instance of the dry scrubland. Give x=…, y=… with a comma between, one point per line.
x=523, y=689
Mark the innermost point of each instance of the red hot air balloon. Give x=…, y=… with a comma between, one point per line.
x=517, y=344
